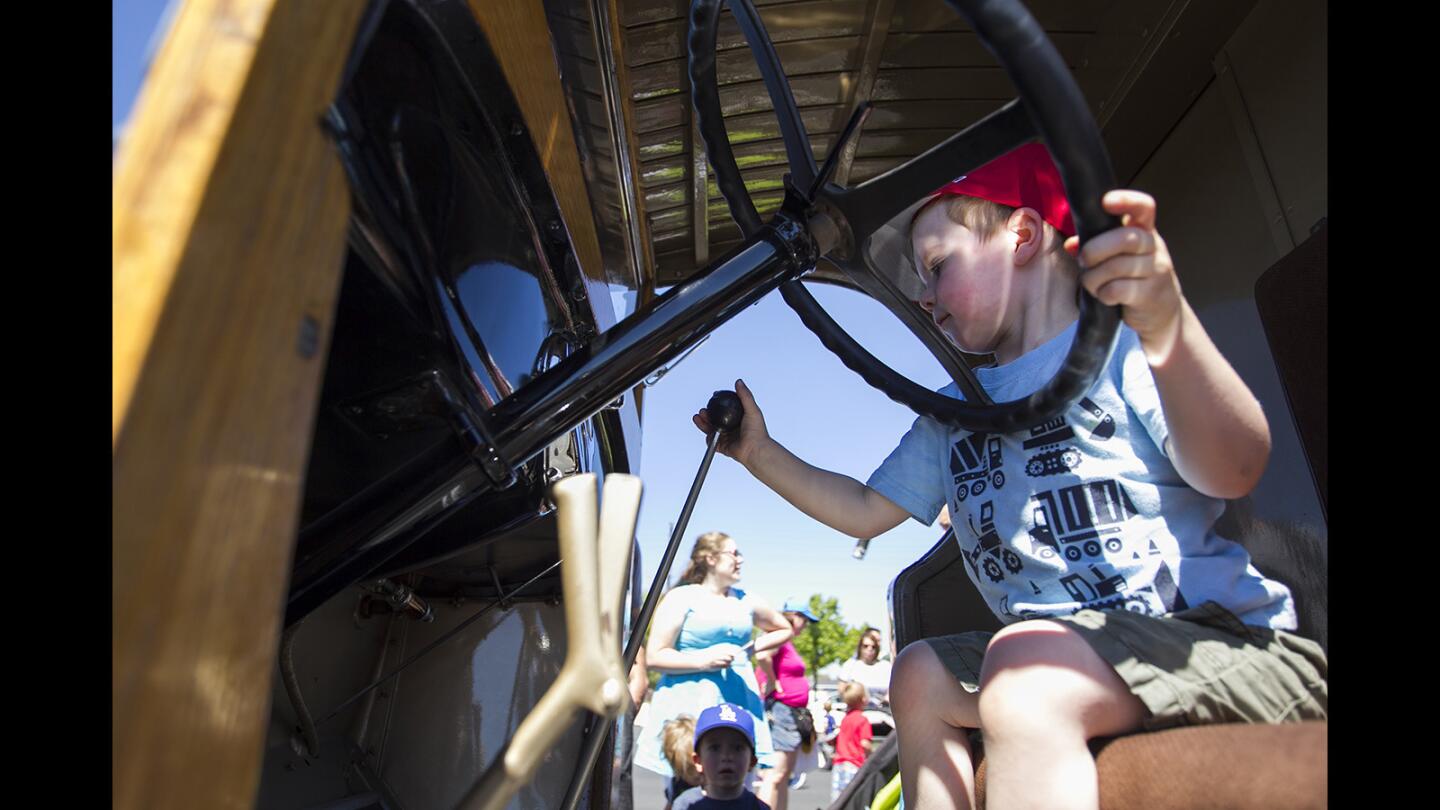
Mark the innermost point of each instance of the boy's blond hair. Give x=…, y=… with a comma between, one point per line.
x=853, y=693
x=677, y=738
x=985, y=219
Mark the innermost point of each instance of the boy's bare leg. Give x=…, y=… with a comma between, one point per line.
x=1044, y=693
x=932, y=716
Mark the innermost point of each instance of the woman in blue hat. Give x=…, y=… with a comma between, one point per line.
x=700, y=641
x=781, y=673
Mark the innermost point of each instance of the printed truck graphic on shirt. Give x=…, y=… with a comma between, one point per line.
x=1054, y=457
x=989, y=554
x=1100, y=587
x=1105, y=427
x=1100, y=592
x=974, y=461
x=1080, y=520
x=1079, y=553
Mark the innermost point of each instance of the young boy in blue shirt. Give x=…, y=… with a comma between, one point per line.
x=1091, y=536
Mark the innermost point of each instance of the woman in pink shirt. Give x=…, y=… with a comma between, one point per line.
x=781, y=673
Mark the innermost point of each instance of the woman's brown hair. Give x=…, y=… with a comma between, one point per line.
x=864, y=634
x=705, y=545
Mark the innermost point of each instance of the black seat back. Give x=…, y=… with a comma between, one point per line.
x=935, y=597
x=1292, y=299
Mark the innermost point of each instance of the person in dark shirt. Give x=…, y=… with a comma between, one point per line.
x=724, y=755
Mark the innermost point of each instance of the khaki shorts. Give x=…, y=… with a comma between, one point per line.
x=1196, y=666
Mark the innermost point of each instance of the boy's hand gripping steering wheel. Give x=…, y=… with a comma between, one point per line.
x=1050, y=107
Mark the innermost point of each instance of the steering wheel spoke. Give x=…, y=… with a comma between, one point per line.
x=704, y=28
x=792, y=127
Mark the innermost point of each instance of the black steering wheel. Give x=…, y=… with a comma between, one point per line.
x=1050, y=107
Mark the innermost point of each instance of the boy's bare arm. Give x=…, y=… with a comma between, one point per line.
x=836, y=500
x=1219, y=439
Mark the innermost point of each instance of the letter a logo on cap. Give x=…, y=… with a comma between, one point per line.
x=727, y=714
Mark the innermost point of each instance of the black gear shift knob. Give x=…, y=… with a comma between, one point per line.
x=725, y=411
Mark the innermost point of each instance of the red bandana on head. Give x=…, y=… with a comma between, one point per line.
x=1025, y=177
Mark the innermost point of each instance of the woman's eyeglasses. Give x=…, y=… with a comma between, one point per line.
x=734, y=553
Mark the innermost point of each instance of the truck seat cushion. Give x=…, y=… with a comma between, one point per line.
x=1237, y=766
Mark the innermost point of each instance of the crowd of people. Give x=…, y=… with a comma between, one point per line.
x=716, y=645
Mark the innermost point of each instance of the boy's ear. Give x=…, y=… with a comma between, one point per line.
x=1028, y=231
x=695, y=758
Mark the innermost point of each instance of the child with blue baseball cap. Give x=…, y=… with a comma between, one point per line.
x=724, y=755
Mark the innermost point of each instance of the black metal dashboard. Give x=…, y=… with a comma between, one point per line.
x=460, y=287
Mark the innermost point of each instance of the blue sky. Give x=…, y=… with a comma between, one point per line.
x=813, y=404
x=133, y=24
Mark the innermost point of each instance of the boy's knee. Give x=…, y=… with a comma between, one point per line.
x=1041, y=676
x=923, y=689
x=1030, y=643
x=913, y=674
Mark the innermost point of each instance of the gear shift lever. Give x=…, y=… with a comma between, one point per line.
x=725, y=413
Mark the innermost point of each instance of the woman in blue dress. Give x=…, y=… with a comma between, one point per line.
x=700, y=641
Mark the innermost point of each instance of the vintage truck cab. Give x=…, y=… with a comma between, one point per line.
x=386, y=273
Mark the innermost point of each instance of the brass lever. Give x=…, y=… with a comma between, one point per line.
x=596, y=556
